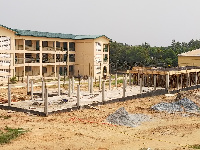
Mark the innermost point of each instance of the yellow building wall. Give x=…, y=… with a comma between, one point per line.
x=11, y=34
x=189, y=61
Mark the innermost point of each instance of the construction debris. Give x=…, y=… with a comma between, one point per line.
x=183, y=105
x=121, y=117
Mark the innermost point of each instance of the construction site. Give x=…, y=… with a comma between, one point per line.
x=143, y=108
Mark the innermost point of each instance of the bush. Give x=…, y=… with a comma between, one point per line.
x=13, y=80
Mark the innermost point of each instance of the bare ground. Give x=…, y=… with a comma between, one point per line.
x=88, y=129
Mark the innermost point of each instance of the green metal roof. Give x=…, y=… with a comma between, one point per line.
x=52, y=35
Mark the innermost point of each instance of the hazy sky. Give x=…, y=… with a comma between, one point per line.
x=134, y=22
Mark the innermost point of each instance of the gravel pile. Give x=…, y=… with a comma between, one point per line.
x=121, y=117
x=183, y=105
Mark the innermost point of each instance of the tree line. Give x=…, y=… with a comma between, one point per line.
x=124, y=56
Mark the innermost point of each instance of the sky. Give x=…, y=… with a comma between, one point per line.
x=134, y=22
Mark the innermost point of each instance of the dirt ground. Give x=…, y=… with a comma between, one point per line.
x=87, y=129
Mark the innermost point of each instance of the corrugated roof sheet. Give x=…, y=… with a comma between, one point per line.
x=191, y=53
x=52, y=35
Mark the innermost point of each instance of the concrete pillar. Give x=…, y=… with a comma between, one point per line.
x=124, y=87
x=46, y=102
x=181, y=84
x=125, y=80
x=78, y=95
x=177, y=81
x=99, y=83
x=9, y=95
x=154, y=82
x=187, y=80
x=43, y=90
x=129, y=79
x=59, y=85
x=89, y=84
x=140, y=85
x=103, y=91
x=72, y=84
x=27, y=83
x=196, y=78
x=110, y=82
x=167, y=81
x=31, y=89
x=69, y=88
x=116, y=80
x=138, y=78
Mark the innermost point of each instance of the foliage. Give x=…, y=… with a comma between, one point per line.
x=196, y=146
x=13, y=80
x=123, y=56
x=10, y=134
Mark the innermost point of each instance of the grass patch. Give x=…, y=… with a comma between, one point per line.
x=9, y=133
x=6, y=117
x=196, y=146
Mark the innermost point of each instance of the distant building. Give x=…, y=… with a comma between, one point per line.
x=37, y=54
x=191, y=58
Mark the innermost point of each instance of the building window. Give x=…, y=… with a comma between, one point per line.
x=57, y=44
x=71, y=46
x=105, y=58
x=98, y=46
x=105, y=48
x=44, y=70
x=44, y=43
x=52, y=69
x=65, y=46
x=28, y=43
x=27, y=68
x=71, y=57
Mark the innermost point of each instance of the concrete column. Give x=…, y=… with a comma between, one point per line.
x=72, y=84
x=69, y=88
x=43, y=90
x=46, y=102
x=78, y=95
x=177, y=81
x=129, y=79
x=9, y=95
x=154, y=82
x=167, y=81
x=99, y=83
x=89, y=84
x=187, y=80
x=31, y=89
x=124, y=87
x=116, y=80
x=138, y=78
x=196, y=78
x=110, y=82
x=181, y=81
x=140, y=85
x=27, y=83
x=103, y=91
x=59, y=85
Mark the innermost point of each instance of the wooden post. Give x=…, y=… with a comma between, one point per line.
x=78, y=96
x=59, y=85
x=129, y=79
x=9, y=94
x=177, y=81
x=89, y=84
x=27, y=84
x=46, y=102
x=116, y=80
x=69, y=88
x=110, y=82
x=99, y=83
x=31, y=89
x=124, y=88
x=72, y=84
x=103, y=91
x=43, y=90
x=154, y=82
